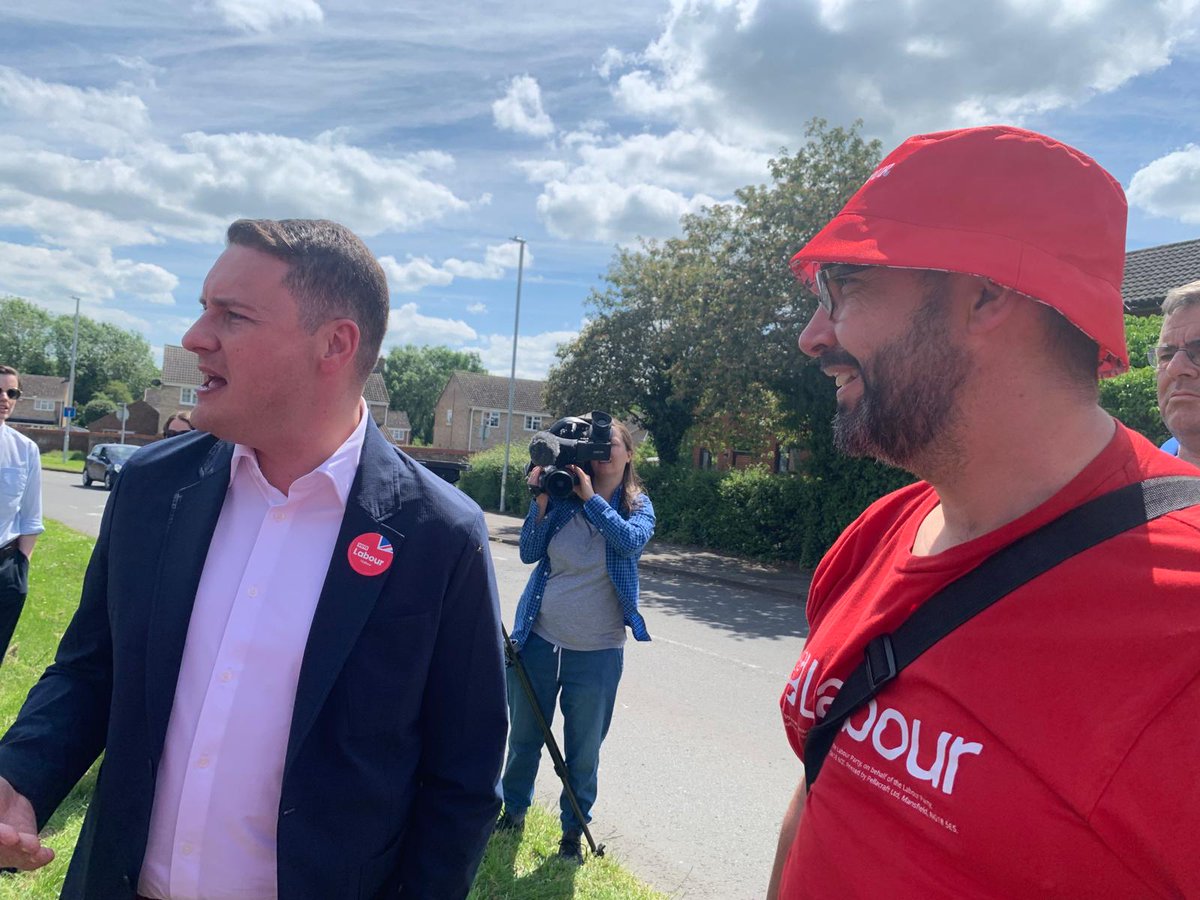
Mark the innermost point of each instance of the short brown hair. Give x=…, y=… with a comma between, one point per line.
x=330, y=271
x=1181, y=297
x=182, y=416
x=9, y=370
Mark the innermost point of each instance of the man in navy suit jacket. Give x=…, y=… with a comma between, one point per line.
x=380, y=774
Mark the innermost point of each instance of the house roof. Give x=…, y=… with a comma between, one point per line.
x=396, y=418
x=143, y=419
x=375, y=391
x=1152, y=271
x=43, y=387
x=180, y=366
x=491, y=392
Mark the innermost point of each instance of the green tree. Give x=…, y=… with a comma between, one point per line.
x=97, y=408
x=25, y=336
x=34, y=341
x=105, y=354
x=415, y=377
x=702, y=328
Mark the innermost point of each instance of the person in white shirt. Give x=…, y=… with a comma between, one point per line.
x=288, y=646
x=20, y=509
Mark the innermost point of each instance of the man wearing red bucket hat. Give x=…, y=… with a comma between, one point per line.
x=1001, y=687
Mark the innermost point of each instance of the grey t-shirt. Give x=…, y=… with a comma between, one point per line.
x=580, y=609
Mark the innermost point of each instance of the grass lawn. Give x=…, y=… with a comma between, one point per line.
x=516, y=867
x=54, y=461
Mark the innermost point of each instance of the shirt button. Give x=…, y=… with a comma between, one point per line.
x=202, y=762
x=186, y=849
x=253, y=592
x=226, y=676
x=278, y=516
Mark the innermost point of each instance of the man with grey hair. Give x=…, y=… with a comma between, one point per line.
x=288, y=644
x=1176, y=359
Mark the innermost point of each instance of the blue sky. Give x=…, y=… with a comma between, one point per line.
x=132, y=133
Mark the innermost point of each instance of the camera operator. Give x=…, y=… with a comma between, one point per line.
x=570, y=625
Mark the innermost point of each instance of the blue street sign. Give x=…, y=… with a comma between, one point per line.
x=68, y=412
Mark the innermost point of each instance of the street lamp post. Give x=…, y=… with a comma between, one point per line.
x=512, y=375
x=71, y=386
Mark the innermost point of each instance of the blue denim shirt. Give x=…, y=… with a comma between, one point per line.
x=624, y=538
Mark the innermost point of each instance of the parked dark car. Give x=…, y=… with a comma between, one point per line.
x=104, y=463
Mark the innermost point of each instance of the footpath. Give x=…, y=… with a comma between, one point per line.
x=676, y=559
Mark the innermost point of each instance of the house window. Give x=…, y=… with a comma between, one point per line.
x=187, y=396
x=491, y=419
x=449, y=416
x=43, y=405
x=533, y=423
x=398, y=435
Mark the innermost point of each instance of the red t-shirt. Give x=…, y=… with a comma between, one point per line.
x=1049, y=747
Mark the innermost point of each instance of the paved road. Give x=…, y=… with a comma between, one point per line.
x=696, y=772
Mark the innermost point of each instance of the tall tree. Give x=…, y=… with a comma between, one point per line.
x=106, y=353
x=25, y=335
x=415, y=377
x=703, y=327
x=38, y=343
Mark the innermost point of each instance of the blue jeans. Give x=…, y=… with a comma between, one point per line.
x=585, y=683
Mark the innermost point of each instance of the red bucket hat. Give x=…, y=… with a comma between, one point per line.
x=1014, y=206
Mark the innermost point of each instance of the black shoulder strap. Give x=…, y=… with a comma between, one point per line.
x=998, y=575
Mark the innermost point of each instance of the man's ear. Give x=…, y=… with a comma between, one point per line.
x=340, y=340
x=991, y=306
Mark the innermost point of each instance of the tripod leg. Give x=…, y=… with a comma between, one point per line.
x=560, y=766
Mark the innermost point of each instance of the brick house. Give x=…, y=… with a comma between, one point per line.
x=143, y=419
x=177, y=391
x=42, y=400
x=472, y=412
x=396, y=426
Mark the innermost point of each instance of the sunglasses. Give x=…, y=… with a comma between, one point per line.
x=12, y=393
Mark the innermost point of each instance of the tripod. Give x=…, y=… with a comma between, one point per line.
x=560, y=765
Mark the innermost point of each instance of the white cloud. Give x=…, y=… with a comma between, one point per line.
x=603, y=210
x=742, y=70
x=623, y=187
x=421, y=272
x=520, y=109
x=265, y=15
x=535, y=352
x=62, y=112
x=407, y=326
x=148, y=190
x=1170, y=186
x=50, y=275
x=477, y=308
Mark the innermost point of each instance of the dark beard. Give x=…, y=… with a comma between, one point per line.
x=909, y=395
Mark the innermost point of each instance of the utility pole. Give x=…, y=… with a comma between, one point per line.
x=512, y=375
x=71, y=387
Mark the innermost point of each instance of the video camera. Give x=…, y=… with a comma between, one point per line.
x=573, y=440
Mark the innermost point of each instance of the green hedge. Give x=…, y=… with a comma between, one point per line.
x=482, y=481
x=746, y=512
x=750, y=512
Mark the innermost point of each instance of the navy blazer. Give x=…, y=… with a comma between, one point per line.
x=398, y=731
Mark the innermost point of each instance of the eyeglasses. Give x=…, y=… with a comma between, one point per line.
x=12, y=393
x=829, y=280
x=1160, y=357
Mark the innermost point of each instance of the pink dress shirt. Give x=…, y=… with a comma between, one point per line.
x=216, y=804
